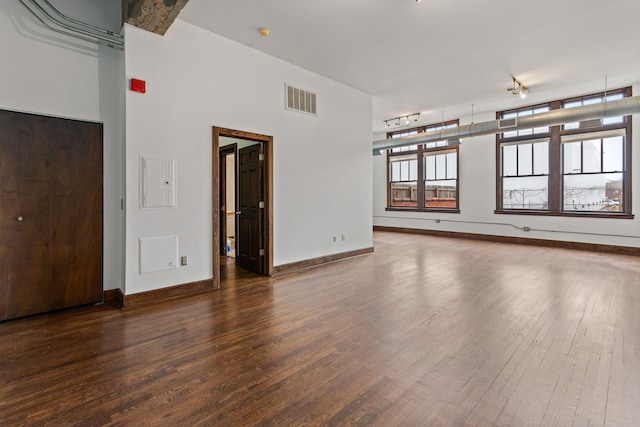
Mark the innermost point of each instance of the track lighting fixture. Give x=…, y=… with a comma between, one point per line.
x=518, y=88
x=402, y=120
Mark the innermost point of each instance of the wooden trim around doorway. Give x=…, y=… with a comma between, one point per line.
x=268, y=196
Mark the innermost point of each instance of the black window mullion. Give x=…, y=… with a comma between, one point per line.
x=435, y=167
x=446, y=167
x=532, y=160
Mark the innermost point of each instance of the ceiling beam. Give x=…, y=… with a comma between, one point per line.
x=151, y=15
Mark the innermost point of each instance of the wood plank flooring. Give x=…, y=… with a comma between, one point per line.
x=424, y=331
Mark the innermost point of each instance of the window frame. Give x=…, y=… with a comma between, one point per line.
x=532, y=166
x=420, y=153
x=556, y=160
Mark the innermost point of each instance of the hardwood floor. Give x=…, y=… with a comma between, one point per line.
x=424, y=331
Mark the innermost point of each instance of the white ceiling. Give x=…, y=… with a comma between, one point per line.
x=440, y=57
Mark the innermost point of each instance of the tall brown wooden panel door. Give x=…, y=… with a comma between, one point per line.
x=249, y=219
x=50, y=213
x=24, y=217
x=76, y=212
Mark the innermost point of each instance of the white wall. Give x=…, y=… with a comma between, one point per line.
x=477, y=180
x=322, y=165
x=47, y=73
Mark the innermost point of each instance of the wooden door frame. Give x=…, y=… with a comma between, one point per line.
x=268, y=196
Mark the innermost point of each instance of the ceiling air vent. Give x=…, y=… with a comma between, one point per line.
x=507, y=123
x=300, y=100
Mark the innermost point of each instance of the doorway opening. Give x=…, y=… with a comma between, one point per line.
x=242, y=185
x=228, y=193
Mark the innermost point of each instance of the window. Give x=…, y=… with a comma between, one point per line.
x=593, y=174
x=526, y=112
x=525, y=175
x=580, y=168
x=404, y=180
x=423, y=177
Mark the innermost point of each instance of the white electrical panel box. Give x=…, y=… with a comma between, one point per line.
x=158, y=253
x=157, y=183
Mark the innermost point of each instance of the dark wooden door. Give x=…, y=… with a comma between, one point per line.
x=249, y=219
x=76, y=212
x=50, y=213
x=24, y=217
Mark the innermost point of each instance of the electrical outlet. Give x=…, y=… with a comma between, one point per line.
x=334, y=239
x=344, y=237
x=183, y=260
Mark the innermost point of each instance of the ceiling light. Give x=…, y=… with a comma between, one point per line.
x=402, y=120
x=518, y=88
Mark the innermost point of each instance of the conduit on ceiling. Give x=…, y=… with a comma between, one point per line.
x=51, y=18
x=620, y=107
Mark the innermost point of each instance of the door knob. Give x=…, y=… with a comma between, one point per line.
x=238, y=212
x=20, y=218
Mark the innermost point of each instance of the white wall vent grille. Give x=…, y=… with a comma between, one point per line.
x=300, y=100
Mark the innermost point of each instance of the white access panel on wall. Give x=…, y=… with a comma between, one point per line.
x=158, y=253
x=157, y=183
